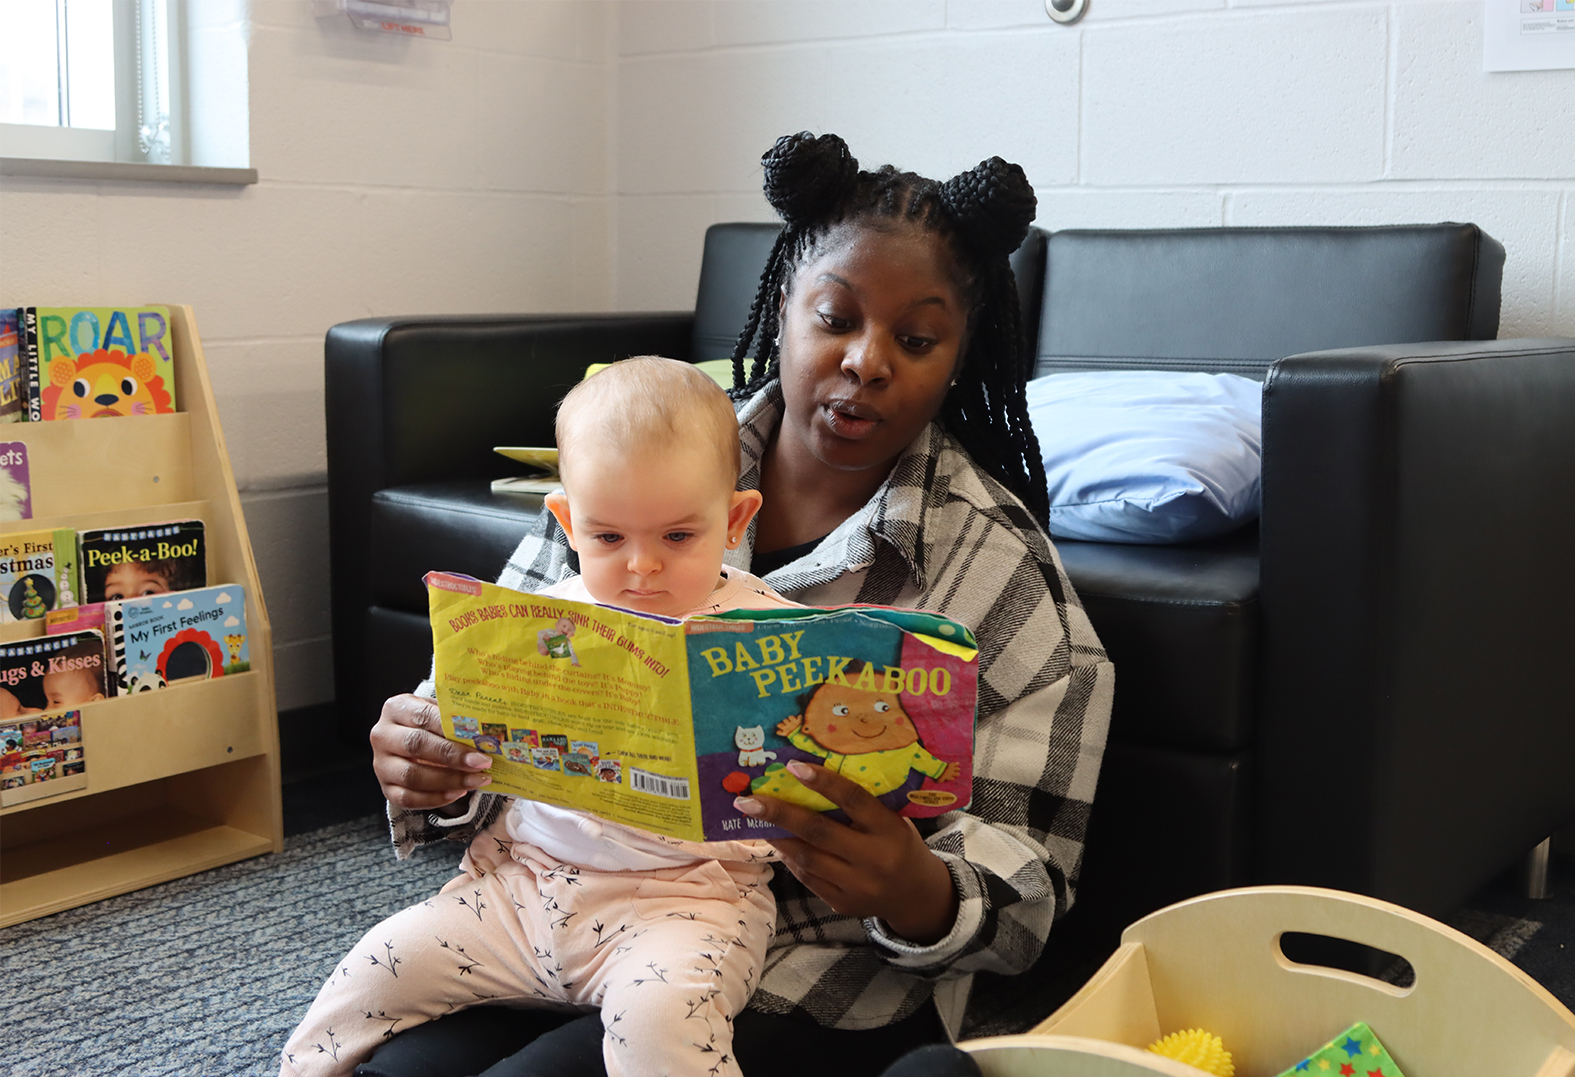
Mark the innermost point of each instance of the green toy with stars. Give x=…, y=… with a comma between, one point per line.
x=1355, y=1052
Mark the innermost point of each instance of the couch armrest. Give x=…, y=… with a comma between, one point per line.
x=419, y=399
x=1418, y=602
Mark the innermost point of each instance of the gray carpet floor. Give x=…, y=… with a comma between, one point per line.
x=206, y=976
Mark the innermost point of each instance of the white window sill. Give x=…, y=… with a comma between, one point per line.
x=125, y=170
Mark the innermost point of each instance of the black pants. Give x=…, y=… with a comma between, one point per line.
x=495, y=1041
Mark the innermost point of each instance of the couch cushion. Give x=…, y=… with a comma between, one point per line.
x=458, y=526
x=1181, y=625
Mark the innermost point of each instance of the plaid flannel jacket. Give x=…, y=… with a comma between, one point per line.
x=941, y=535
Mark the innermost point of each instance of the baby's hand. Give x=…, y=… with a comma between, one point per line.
x=950, y=773
x=789, y=725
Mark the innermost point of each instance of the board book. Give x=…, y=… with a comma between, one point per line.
x=12, y=386
x=160, y=639
x=38, y=573
x=53, y=672
x=147, y=559
x=16, y=484
x=98, y=362
x=659, y=724
x=40, y=756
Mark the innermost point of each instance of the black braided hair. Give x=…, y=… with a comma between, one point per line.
x=982, y=216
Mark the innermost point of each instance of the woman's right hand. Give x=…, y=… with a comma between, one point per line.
x=417, y=768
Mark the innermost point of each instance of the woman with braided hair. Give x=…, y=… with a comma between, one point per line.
x=879, y=388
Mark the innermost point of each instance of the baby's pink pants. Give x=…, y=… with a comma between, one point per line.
x=669, y=956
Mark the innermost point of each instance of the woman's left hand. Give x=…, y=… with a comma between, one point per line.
x=876, y=864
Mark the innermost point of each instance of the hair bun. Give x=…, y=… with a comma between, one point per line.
x=806, y=176
x=993, y=204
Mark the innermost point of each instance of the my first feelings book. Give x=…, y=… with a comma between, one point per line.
x=659, y=724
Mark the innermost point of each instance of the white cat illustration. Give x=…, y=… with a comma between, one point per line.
x=751, y=743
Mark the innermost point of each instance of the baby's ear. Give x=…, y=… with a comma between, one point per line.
x=558, y=504
x=742, y=509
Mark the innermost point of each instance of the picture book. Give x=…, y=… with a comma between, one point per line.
x=27, y=352
x=12, y=387
x=40, y=756
x=158, y=640
x=661, y=724
x=89, y=615
x=99, y=362
x=16, y=485
x=148, y=559
x=52, y=673
x=38, y=573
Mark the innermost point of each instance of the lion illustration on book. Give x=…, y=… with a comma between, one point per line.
x=99, y=384
x=863, y=733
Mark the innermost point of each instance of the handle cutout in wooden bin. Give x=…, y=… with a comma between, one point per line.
x=1310, y=950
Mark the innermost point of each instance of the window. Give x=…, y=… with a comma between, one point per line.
x=145, y=81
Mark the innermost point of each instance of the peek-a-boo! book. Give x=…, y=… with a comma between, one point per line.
x=52, y=673
x=660, y=724
x=97, y=362
x=38, y=573
x=40, y=756
x=158, y=640
x=129, y=562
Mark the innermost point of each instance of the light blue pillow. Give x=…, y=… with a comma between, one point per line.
x=1148, y=455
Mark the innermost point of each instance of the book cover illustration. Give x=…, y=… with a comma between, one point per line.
x=100, y=362
x=660, y=724
x=16, y=485
x=52, y=673
x=149, y=559
x=12, y=387
x=165, y=638
x=40, y=757
x=38, y=573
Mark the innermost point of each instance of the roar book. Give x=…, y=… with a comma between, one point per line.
x=660, y=724
x=38, y=573
x=40, y=756
x=16, y=484
x=158, y=640
x=52, y=673
x=143, y=560
x=98, y=362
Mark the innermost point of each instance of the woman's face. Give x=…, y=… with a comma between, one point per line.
x=872, y=330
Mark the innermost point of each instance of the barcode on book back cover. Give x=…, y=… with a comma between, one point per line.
x=643, y=781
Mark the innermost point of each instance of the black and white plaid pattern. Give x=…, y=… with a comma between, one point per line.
x=939, y=535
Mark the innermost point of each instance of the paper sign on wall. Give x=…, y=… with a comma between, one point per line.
x=1528, y=35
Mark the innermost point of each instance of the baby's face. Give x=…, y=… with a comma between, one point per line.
x=129, y=579
x=71, y=687
x=651, y=530
x=10, y=706
x=852, y=720
x=565, y=627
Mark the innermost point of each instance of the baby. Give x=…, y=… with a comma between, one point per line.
x=135, y=579
x=69, y=687
x=556, y=908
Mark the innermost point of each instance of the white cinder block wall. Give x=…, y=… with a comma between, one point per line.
x=397, y=177
x=1148, y=113
x=567, y=155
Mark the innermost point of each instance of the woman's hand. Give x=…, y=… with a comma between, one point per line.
x=874, y=865
x=417, y=768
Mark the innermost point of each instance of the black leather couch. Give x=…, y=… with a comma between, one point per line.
x=1362, y=693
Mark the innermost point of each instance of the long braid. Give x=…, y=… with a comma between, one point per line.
x=982, y=215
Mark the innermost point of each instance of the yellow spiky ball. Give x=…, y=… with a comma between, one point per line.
x=1197, y=1048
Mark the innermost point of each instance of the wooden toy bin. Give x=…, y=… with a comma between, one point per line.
x=1215, y=963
